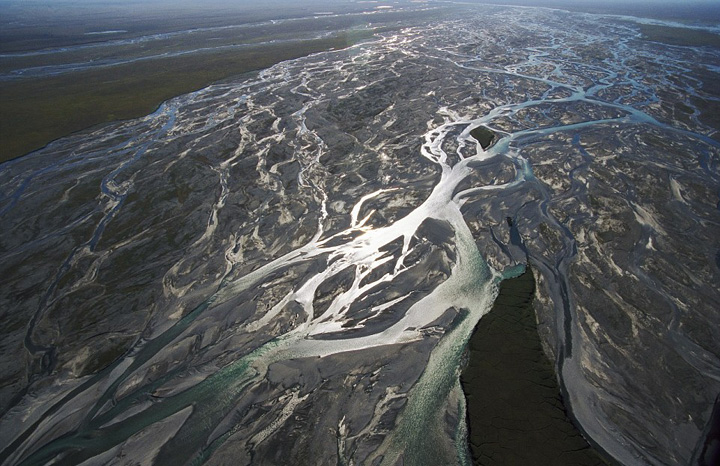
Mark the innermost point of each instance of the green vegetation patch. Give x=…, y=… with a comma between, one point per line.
x=484, y=136
x=679, y=36
x=35, y=112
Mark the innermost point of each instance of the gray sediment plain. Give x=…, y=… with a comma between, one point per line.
x=287, y=267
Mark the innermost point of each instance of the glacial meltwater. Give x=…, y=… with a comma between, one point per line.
x=286, y=268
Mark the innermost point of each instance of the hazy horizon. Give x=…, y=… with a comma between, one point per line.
x=706, y=10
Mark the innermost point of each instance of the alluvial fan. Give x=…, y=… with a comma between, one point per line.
x=286, y=268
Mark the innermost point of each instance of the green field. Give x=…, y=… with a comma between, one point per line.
x=36, y=110
x=679, y=36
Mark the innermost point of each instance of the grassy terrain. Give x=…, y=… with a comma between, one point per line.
x=484, y=136
x=679, y=36
x=37, y=107
x=34, y=112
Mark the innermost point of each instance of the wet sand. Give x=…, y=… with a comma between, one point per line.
x=515, y=412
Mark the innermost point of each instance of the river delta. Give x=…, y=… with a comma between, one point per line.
x=287, y=266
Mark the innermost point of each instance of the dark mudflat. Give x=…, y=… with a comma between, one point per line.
x=515, y=413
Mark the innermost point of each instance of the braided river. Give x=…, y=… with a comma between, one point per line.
x=286, y=267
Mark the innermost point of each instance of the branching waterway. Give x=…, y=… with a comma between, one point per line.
x=289, y=265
